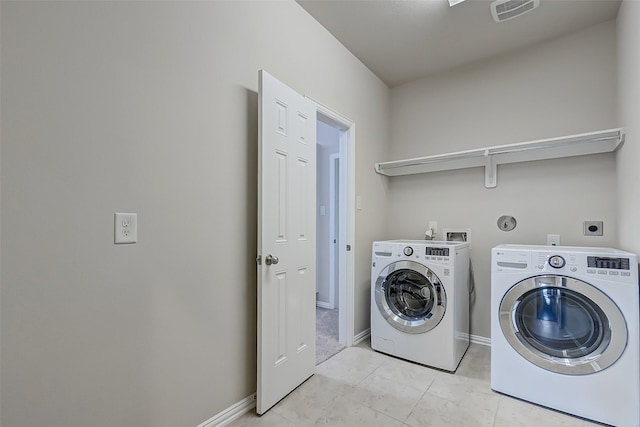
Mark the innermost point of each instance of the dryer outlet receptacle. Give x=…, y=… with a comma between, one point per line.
x=592, y=228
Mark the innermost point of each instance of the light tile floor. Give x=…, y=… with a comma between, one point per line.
x=360, y=387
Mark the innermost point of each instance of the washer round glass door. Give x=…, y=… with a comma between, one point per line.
x=410, y=297
x=563, y=325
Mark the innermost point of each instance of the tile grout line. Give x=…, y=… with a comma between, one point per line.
x=420, y=400
x=373, y=373
x=495, y=415
x=416, y=404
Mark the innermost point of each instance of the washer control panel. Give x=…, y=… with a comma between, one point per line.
x=556, y=261
x=608, y=262
x=608, y=266
x=613, y=267
x=547, y=261
x=433, y=251
x=440, y=255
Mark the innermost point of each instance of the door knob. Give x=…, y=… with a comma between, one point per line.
x=270, y=259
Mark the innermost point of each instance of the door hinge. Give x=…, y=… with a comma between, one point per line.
x=348, y=248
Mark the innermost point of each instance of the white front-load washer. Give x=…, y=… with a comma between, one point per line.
x=564, y=330
x=420, y=301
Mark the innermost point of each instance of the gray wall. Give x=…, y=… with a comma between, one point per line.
x=328, y=144
x=563, y=87
x=150, y=107
x=628, y=25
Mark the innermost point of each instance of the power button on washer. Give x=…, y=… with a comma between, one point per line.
x=557, y=261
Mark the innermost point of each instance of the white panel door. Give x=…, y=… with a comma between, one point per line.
x=286, y=240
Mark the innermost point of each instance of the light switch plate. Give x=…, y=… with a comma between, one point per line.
x=125, y=228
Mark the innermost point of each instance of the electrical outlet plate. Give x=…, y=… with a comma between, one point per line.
x=125, y=228
x=592, y=228
x=553, y=239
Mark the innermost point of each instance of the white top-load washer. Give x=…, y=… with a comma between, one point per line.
x=564, y=329
x=420, y=301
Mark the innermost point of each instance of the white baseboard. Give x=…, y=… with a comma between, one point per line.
x=477, y=339
x=232, y=413
x=362, y=336
x=323, y=304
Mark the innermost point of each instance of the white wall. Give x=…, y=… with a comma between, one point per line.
x=562, y=87
x=328, y=144
x=150, y=107
x=628, y=25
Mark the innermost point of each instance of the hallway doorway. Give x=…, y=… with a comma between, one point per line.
x=331, y=237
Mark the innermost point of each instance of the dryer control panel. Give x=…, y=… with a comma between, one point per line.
x=602, y=263
x=608, y=262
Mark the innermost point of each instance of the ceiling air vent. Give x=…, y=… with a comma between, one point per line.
x=503, y=10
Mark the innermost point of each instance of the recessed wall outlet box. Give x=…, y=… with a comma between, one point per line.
x=125, y=228
x=553, y=239
x=457, y=234
x=592, y=228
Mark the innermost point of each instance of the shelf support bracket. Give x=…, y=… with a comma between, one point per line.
x=490, y=171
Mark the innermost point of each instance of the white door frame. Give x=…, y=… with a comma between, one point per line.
x=333, y=216
x=347, y=220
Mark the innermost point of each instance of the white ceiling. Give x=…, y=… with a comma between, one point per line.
x=403, y=40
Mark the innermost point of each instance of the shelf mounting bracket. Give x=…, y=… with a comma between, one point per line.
x=490, y=171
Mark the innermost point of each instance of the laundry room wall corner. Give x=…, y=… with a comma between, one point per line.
x=502, y=100
x=628, y=173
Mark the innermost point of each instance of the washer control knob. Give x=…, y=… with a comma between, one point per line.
x=557, y=261
x=408, y=251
